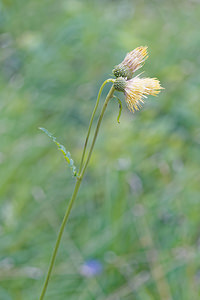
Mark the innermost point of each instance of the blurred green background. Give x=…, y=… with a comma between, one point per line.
x=138, y=210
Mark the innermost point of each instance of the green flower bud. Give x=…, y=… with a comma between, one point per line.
x=120, y=84
x=122, y=71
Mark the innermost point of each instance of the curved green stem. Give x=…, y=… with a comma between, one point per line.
x=120, y=108
x=91, y=121
x=76, y=188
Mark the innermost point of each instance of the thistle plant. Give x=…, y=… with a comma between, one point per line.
x=136, y=90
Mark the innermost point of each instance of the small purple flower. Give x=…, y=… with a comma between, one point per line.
x=91, y=268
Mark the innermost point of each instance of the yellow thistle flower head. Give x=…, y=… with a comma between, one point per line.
x=132, y=62
x=137, y=89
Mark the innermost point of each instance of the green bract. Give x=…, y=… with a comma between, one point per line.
x=122, y=71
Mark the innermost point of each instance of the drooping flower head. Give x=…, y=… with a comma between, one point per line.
x=132, y=62
x=137, y=89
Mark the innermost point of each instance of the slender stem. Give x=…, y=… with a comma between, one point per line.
x=109, y=96
x=91, y=121
x=76, y=188
x=78, y=182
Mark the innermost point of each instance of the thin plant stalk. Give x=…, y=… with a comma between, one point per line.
x=91, y=121
x=78, y=181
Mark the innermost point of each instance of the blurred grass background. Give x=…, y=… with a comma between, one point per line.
x=137, y=212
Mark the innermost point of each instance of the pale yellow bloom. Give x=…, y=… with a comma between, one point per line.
x=134, y=60
x=137, y=89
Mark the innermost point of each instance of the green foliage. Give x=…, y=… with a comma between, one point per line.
x=138, y=207
x=66, y=154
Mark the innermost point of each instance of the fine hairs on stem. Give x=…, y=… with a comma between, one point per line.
x=135, y=90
